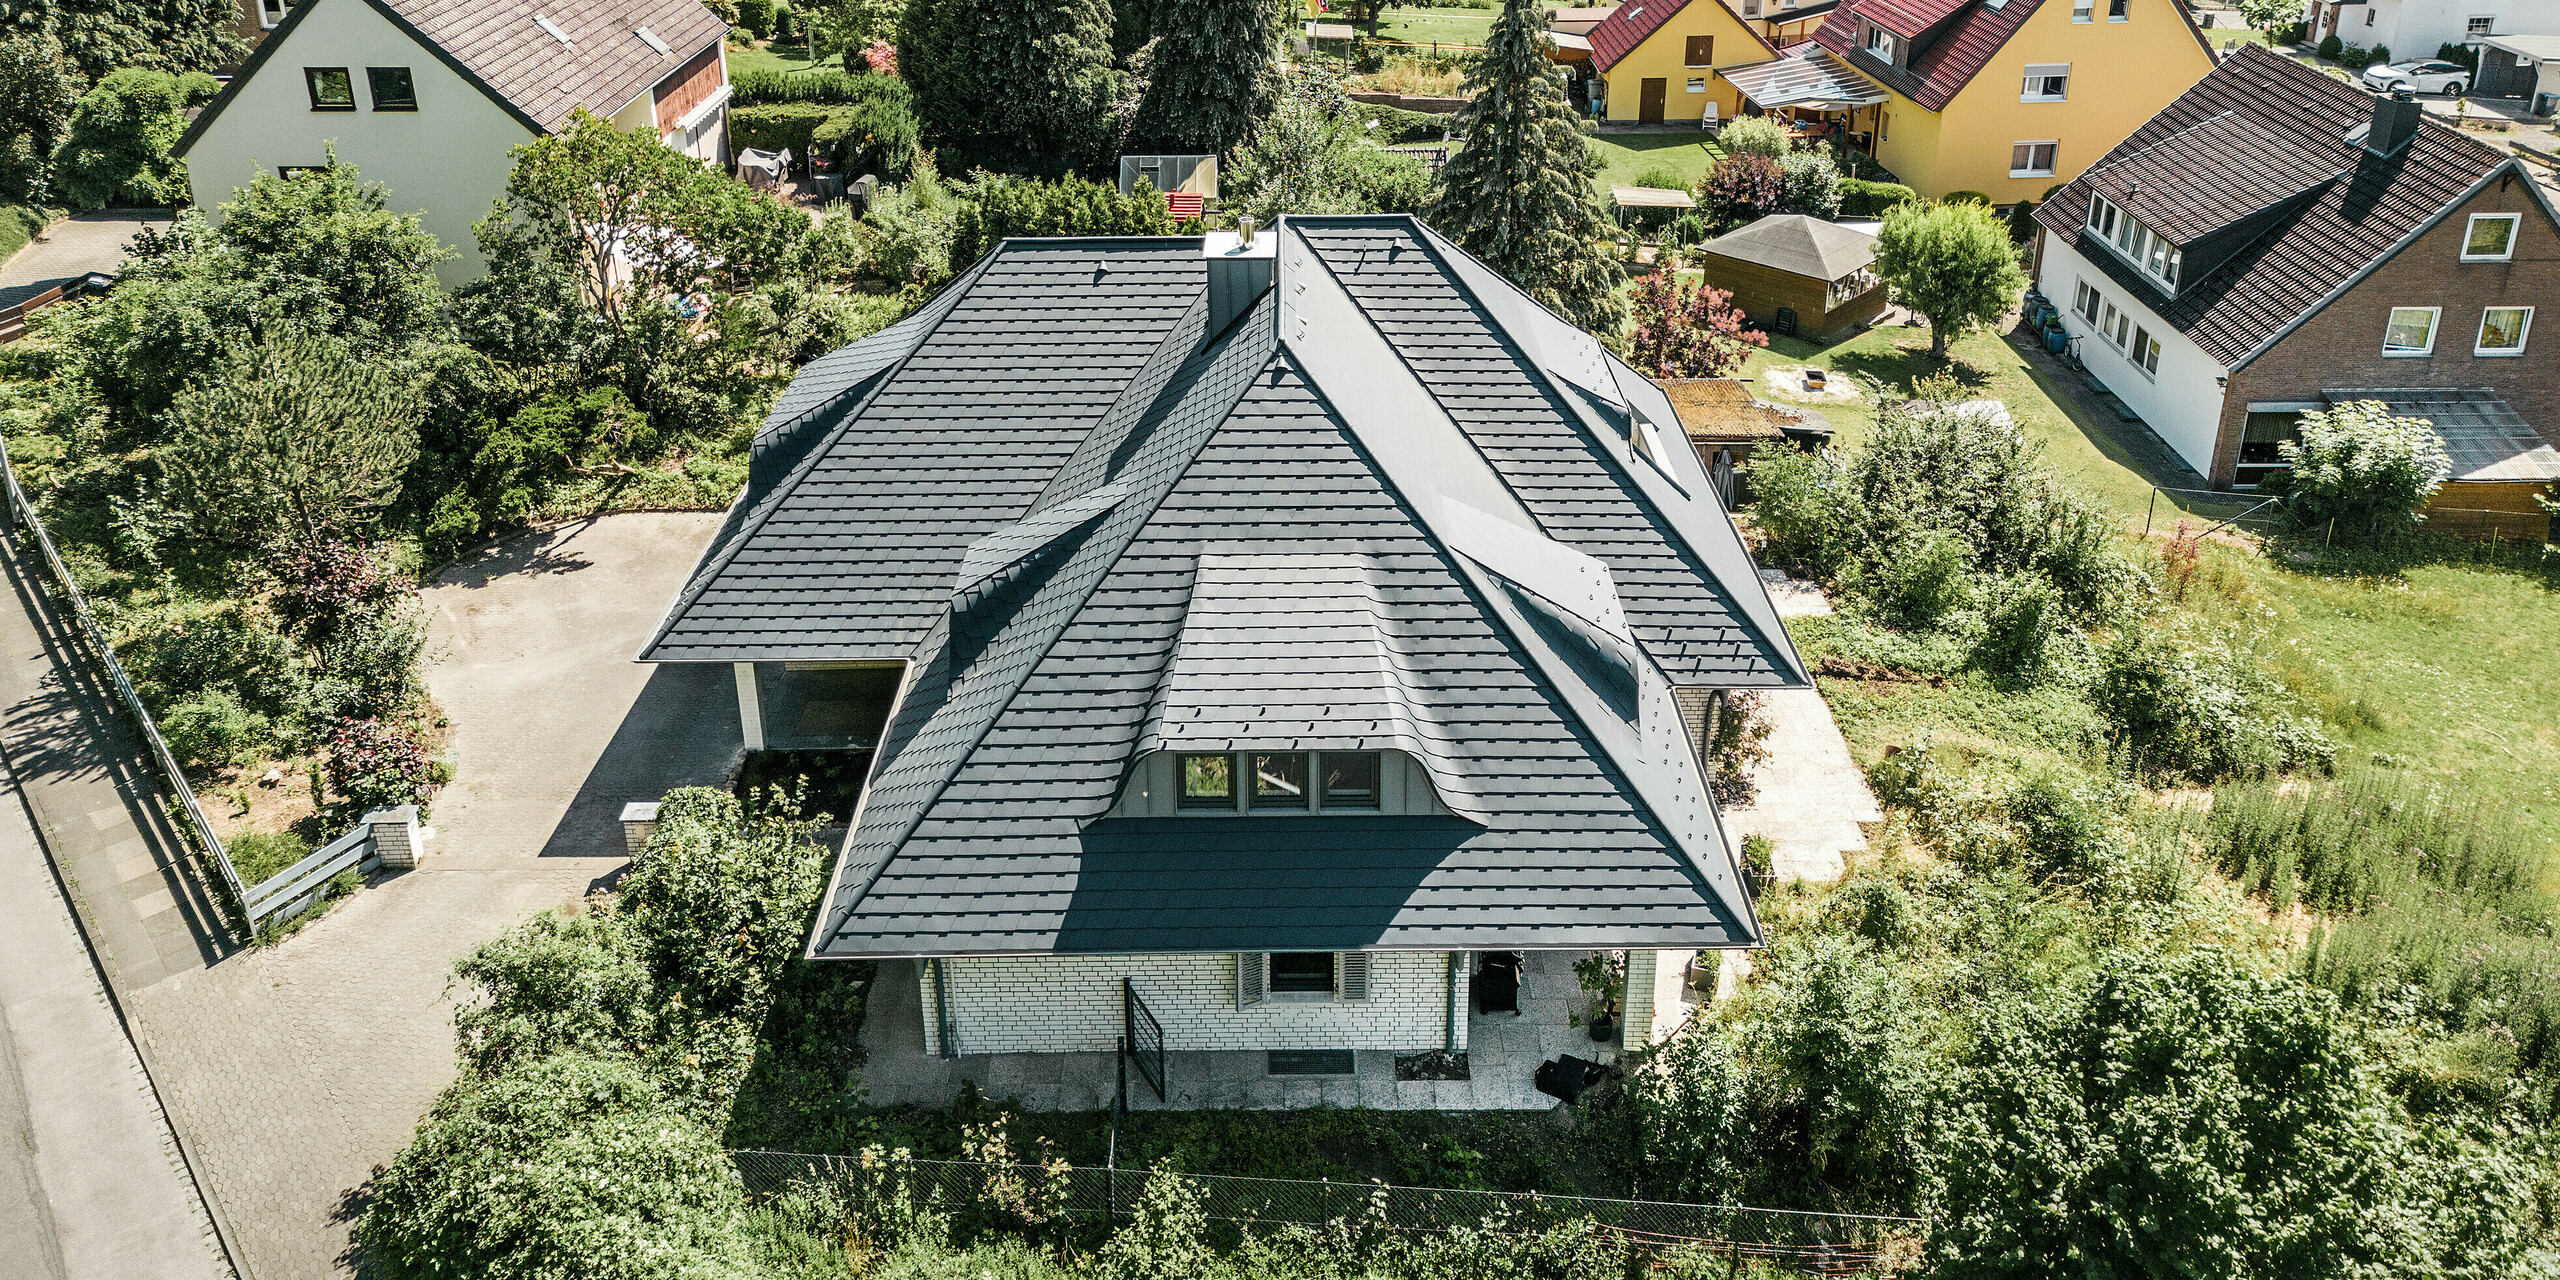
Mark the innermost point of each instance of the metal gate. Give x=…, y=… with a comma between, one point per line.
x=1143, y=1041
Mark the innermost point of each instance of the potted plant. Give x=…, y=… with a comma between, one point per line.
x=1603, y=974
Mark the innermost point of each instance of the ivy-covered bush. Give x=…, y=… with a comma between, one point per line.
x=116, y=149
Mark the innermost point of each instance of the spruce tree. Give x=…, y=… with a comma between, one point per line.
x=1024, y=86
x=1519, y=192
x=1215, y=75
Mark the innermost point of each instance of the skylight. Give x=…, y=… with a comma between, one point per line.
x=650, y=38
x=553, y=30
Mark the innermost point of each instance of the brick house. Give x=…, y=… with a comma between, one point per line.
x=430, y=97
x=1264, y=626
x=2277, y=241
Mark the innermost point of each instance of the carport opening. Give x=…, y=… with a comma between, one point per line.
x=824, y=706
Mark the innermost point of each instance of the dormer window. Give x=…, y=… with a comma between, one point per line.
x=1880, y=42
x=1279, y=781
x=2147, y=251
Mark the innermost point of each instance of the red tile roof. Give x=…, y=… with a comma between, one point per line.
x=1620, y=32
x=2290, y=269
x=1937, y=73
x=1910, y=19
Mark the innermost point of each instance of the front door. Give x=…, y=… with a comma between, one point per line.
x=1649, y=102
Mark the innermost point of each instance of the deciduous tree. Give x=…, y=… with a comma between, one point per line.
x=116, y=149
x=1519, y=192
x=39, y=87
x=1950, y=262
x=1693, y=332
x=102, y=36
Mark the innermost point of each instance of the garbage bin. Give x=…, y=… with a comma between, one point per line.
x=831, y=186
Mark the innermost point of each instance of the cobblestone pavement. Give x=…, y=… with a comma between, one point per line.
x=291, y=1071
x=75, y=247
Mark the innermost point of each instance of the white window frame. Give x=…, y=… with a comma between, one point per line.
x=1697, y=84
x=2524, y=335
x=2435, y=322
x=2031, y=87
x=2515, y=223
x=1880, y=42
x=272, y=13
x=2083, y=11
x=2145, y=352
x=2116, y=327
x=2480, y=25
x=2087, y=301
x=2052, y=158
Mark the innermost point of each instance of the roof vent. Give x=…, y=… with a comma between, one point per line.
x=2395, y=122
x=650, y=38
x=553, y=30
x=1240, y=269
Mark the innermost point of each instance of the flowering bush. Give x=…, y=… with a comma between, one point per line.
x=1741, y=189
x=1687, y=333
x=882, y=57
x=319, y=585
x=375, y=765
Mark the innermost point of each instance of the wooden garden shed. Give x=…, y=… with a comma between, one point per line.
x=1797, y=275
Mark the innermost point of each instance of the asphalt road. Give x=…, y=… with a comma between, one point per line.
x=91, y=1185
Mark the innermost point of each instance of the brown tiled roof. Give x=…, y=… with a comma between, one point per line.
x=2305, y=253
x=1718, y=409
x=606, y=63
x=1935, y=74
x=1909, y=19
x=1620, y=32
x=2253, y=167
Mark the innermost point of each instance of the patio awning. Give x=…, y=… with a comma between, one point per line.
x=1650, y=198
x=1567, y=42
x=1817, y=80
x=2485, y=439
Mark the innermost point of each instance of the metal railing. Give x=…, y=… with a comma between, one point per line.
x=24, y=512
x=1144, y=1039
x=885, y=1184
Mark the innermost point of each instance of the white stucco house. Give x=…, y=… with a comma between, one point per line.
x=2277, y=242
x=2417, y=28
x=429, y=97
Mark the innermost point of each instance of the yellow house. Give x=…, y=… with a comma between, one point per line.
x=2010, y=97
x=1656, y=61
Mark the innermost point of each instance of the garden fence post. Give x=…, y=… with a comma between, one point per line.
x=2148, y=510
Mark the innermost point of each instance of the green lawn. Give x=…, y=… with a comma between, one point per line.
x=19, y=224
x=786, y=58
x=1437, y=26
x=2446, y=649
x=1626, y=155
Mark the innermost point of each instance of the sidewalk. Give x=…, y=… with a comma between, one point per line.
x=92, y=1184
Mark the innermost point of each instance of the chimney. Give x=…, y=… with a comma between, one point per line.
x=2395, y=121
x=1240, y=266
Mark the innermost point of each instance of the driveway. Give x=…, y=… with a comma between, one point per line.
x=292, y=1071
x=555, y=727
x=74, y=247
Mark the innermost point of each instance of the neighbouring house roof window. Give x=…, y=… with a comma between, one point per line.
x=2491, y=238
x=332, y=89
x=2411, y=332
x=1880, y=43
x=392, y=88
x=2150, y=252
x=2503, y=330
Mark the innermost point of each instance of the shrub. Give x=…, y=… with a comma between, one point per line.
x=2018, y=630
x=223, y=649
x=1923, y=584
x=564, y=1166
x=1693, y=332
x=2379, y=56
x=370, y=666
x=2022, y=221
x=1964, y=197
x=1688, y=229
x=757, y=17
x=213, y=730
x=1740, y=744
x=2201, y=715
x=877, y=136
x=116, y=150
x=561, y=982
x=2463, y=55
x=320, y=586
x=257, y=855
x=2330, y=45
x=722, y=899
x=375, y=765
x=1860, y=199
x=1396, y=127
x=1755, y=136
x=1003, y=206
x=2356, y=465
x=1810, y=184
x=1742, y=188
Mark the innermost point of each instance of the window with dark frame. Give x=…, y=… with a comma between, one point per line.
x=392, y=89
x=2260, y=434
x=1701, y=52
x=1301, y=972
x=332, y=89
x=1279, y=780
x=1350, y=780
x=1208, y=782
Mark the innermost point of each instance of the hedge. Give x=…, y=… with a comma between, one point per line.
x=874, y=132
x=758, y=88
x=1398, y=127
x=1859, y=199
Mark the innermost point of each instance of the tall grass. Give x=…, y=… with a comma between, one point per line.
x=2432, y=900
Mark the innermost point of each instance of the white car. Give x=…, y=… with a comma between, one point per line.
x=2447, y=78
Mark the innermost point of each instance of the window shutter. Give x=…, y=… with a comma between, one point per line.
x=1702, y=51
x=1250, y=967
x=1354, y=983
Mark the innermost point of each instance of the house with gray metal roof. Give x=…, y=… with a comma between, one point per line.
x=429, y=97
x=1254, y=627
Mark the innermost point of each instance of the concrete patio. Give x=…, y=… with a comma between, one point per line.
x=1503, y=1053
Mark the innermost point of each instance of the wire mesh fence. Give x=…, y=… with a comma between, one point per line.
x=1822, y=1243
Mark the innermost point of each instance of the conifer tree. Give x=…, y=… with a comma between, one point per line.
x=1519, y=192
x=1214, y=76
x=1025, y=86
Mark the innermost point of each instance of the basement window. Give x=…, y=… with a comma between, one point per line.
x=332, y=89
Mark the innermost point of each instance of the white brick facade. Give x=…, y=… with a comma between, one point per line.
x=1071, y=1004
